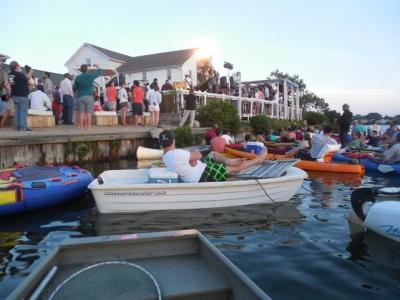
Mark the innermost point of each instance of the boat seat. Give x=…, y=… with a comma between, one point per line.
x=269, y=169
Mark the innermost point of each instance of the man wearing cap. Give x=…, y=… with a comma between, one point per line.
x=191, y=168
x=67, y=98
x=19, y=93
x=344, y=123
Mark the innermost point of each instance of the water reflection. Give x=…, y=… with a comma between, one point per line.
x=369, y=246
x=217, y=222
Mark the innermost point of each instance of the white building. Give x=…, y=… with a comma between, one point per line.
x=172, y=65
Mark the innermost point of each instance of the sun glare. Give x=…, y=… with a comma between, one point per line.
x=206, y=48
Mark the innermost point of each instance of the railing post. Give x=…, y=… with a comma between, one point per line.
x=285, y=100
x=240, y=107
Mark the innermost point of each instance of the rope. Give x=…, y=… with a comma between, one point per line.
x=265, y=192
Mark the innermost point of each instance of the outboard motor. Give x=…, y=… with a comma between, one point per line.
x=383, y=217
x=359, y=197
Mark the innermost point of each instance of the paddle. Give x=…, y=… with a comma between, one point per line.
x=365, y=150
x=385, y=168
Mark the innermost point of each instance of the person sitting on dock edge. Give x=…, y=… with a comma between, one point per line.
x=191, y=167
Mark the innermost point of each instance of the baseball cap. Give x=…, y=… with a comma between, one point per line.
x=166, y=138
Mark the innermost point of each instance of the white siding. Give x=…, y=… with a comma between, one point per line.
x=161, y=75
x=190, y=66
x=95, y=58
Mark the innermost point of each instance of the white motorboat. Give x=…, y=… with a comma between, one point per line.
x=159, y=265
x=382, y=217
x=118, y=191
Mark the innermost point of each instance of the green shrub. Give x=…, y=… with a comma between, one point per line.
x=184, y=137
x=314, y=118
x=260, y=124
x=222, y=113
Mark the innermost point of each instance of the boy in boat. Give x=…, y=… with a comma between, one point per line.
x=191, y=168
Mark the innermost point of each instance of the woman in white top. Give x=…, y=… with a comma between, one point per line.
x=123, y=103
x=154, y=98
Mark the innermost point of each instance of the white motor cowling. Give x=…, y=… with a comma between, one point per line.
x=384, y=219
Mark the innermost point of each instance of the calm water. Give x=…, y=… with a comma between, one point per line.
x=303, y=249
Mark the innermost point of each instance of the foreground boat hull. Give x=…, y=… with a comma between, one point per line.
x=183, y=265
x=117, y=197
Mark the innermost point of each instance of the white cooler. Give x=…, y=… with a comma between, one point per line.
x=162, y=175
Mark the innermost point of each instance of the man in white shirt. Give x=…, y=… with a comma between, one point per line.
x=39, y=100
x=191, y=168
x=67, y=98
x=319, y=141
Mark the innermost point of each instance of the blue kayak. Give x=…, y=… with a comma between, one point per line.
x=370, y=165
x=29, y=188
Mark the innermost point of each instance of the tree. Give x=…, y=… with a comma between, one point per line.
x=314, y=118
x=308, y=100
x=331, y=116
x=311, y=101
x=357, y=117
x=374, y=116
x=294, y=78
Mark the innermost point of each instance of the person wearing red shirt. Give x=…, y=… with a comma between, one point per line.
x=111, y=93
x=137, y=103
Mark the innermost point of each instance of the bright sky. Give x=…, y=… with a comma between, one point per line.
x=346, y=51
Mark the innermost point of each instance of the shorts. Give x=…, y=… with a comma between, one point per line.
x=123, y=104
x=137, y=109
x=112, y=106
x=76, y=103
x=86, y=104
x=214, y=171
x=154, y=107
x=3, y=106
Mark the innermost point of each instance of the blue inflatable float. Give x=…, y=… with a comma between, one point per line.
x=29, y=188
x=371, y=165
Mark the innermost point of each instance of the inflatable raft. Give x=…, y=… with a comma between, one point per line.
x=304, y=164
x=29, y=188
x=369, y=164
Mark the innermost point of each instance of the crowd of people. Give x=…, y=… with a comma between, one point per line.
x=74, y=99
x=313, y=142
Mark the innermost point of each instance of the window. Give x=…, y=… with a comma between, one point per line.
x=169, y=74
x=144, y=76
x=89, y=61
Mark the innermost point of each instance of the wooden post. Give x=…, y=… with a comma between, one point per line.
x=277, y=100
x=285, y=100
x=298, y=117
x=240, y=108
x=292, y=105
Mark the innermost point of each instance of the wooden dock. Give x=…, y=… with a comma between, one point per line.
x=67, y=145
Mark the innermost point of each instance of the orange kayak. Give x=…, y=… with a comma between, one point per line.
x=304, y=164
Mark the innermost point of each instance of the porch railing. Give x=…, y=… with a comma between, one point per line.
x=173, y=102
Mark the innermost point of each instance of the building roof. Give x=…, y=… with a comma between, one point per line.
x=112, y=54
x=156, y=61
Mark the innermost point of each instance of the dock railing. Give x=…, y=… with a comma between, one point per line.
x=173, y=101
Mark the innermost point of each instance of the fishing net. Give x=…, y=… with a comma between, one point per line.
x=109, y=280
